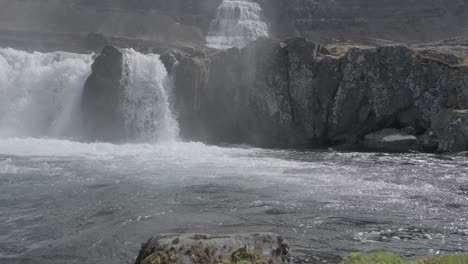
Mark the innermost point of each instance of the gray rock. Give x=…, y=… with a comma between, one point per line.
x=295, y=93
x=451, y=126
x=357, y=20
x=204, y=248
x=259, y=95
x=187, y=21
x=428, y=142
x=95, y=41
x=102, y=95
x=390, y=140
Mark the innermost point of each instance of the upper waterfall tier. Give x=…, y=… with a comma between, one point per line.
x=237, y=23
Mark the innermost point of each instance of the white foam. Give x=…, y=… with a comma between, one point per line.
x=40, y=93
x=146, y=108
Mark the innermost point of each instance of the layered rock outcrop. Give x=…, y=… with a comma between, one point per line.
x=296, y=93
x=340, y=20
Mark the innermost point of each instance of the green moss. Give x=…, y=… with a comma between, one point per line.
x=199, y=255
x=388, y=258
x=247, y=256
x=159, y=257
x=203, y=256
x=374, y=258
x=445, y=260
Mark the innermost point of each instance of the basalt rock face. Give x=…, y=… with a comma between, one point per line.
x=254, y=95
x=296, y=93
x=102, y=95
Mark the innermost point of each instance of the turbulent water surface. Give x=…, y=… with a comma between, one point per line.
x=65, y=202
x=62, y=201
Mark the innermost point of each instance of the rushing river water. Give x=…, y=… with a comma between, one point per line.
x=66, y=202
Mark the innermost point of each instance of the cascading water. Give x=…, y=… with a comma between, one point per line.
x=40, y=93
x=146, y=108
x=237, y=23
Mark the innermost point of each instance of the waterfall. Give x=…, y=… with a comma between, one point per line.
x=146, y=104
x=237, y=23
x=40, y=96
x=40, y=93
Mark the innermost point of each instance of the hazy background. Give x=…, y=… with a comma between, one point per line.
x=63, y=23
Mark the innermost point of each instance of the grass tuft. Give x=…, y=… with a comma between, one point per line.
x=389, y=258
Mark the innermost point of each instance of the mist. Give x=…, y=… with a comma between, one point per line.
x=233, y=131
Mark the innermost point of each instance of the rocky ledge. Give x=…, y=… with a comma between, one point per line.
x=251, y=248
x=300, y=94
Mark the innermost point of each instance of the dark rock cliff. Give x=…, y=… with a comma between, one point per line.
x=296, y=93
x=102, y=96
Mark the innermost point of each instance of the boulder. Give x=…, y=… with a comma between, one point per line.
x=95, y=42
x=102, y=95
x=389, y=140
x=265, y=248
x=428, y=142
x=451, y=127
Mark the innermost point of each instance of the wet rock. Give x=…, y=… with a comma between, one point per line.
x=258, y=95
x=428, y=142
x=95, y=41
x=102, y=95
x=451, y=126
x=390, y=140
x=295, y=93
x=260, y=248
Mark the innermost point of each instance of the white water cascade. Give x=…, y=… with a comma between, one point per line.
x=40, y=96
x=40, y=93
x=237, y=23
x=146, y=107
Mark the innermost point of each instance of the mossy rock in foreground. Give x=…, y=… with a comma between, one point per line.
x=388, y=258
x=241, y=256
x=249, y=248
